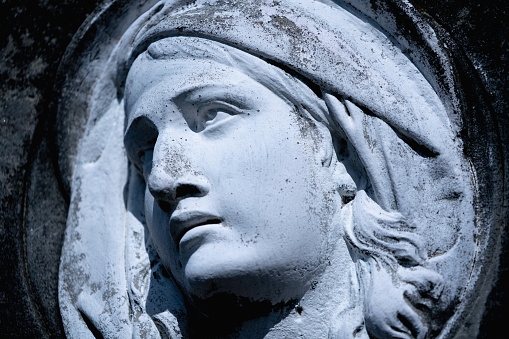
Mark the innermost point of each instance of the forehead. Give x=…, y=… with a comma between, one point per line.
x=153, y=80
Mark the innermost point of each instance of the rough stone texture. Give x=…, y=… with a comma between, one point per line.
x=33, y=37
x=480, y=29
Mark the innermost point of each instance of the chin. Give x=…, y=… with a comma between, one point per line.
x=239, y=286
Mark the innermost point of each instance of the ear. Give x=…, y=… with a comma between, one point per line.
x=345, y=185
x=343, y=181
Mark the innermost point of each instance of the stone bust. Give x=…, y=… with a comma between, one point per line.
x=265, y=169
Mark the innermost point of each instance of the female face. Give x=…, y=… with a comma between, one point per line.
x=239, y=193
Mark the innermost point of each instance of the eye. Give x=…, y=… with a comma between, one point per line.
x=145, y=156
x=215, y=114
x=145, y=161
x=139, y=142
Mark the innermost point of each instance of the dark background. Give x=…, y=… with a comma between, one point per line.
x=33, y=37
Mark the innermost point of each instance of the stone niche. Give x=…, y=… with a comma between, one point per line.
x=267, y=169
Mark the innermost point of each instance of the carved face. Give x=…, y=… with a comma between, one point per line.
x=239, y=194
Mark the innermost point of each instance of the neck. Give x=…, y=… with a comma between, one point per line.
x=331, y=307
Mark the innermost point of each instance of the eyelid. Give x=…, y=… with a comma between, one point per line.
x=218, y=104
x=222, y=112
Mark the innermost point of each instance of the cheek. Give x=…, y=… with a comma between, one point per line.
x=269, y=192
x=158, y=226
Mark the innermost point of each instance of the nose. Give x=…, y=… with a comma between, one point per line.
x=168, y=189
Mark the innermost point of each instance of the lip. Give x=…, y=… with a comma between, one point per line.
x=181, y=223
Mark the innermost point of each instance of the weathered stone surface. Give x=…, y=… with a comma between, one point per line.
x=33, y=202
x=33, y=37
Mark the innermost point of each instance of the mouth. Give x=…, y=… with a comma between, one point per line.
x=181, y=223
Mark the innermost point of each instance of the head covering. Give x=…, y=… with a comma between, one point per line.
x=349, y=58
x=333, y=48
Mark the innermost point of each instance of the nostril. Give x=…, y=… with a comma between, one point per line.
x=186, y=190
x=168, y=191
x=166, y=200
